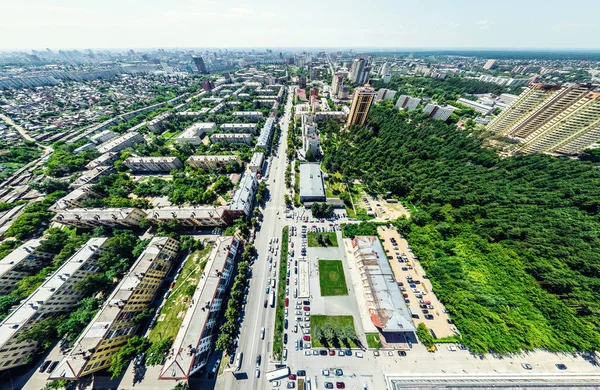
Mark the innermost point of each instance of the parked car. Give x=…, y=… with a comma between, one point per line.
x=45, y=365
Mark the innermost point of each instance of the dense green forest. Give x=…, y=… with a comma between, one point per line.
x=511, y=245
x=441, y=91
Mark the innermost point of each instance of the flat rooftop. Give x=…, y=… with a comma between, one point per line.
x=186, y=212
x=31, y=306
x=388, y=309
x=97, y=214
x=180, y=363
x=14, y=258
x=311, y=180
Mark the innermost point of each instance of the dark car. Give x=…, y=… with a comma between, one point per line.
x=292, y=377
x=285, y=324
x=45, y=365
x=429, y=316
x=266, y=303
x=340, y=385
x=55, y=363
x=323, y=352
x=328, y=385
x=301, y=373
x=348, y=352
x=401, y=353
x=306, y=302
x=561, y=366
x=285, y=338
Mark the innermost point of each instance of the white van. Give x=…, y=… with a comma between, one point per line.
x=285, y=354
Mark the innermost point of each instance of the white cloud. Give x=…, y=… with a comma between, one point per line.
x=268, y=14
x=482, y=22
x=453, y=25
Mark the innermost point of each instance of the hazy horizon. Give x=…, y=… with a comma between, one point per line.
x=386, y=24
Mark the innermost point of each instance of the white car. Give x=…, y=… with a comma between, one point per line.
x=325, y=372
x=262, y=333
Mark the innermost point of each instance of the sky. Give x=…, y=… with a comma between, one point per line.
x=65, y=24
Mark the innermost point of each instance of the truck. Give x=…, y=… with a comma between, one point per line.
x=272, y=298
x=238, y=361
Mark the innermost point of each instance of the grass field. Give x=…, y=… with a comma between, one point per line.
x=373, y=340
x=331, y=278
x=337, y=322
x=173, y=311
x=312, y=239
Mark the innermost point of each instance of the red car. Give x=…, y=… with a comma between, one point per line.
x=331, y=352
x=306, y=338
x=287, y=281
x=287, y=302
x=340, y=385
x=428, y=302
x=292, y=244
x=306, y=308
x=292, y=377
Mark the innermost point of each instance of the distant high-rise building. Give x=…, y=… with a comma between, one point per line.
x=536, y=106
x=207, y=85
x=200, y=65
x=336, y=83
x=385, y=69
x=314, y=72
x=227, y=77
x=358, y=71
x=490, y=64
x=302, y=82
x=344, y=91
x=361, y=103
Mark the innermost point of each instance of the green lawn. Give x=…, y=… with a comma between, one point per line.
x=331, y=278
x=337, y=322
x=174, y=309
x=373, y=340
x=329, y=238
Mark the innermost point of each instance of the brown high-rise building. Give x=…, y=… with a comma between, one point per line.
x=207, y=85
x=361, y=103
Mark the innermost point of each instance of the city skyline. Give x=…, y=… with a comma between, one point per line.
x=190, y=23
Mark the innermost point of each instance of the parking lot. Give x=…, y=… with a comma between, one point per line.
x=419, y=294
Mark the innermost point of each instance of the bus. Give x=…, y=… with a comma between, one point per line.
x=273, y=298
x=278, y=374
x=238, y=361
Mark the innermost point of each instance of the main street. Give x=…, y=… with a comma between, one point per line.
x=256, y=315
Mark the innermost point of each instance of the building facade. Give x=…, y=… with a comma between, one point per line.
x=54, y=296
x=121, y=143
x=438, y=112
x=153, y=164
x=25, y=260
x=194, y=134
x=361, y=104
x=231, y=138
x=407, y=103
x=90, y=218
x=210, y=162
x=114, y=324
x=190, y=216
x=194, y=342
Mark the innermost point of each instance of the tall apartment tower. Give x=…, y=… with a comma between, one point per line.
x=336, y=84
x=200, y=65
x=361, y=103
x=357, y=70
x=385, y=69
x=569, y=132
x=536, y=106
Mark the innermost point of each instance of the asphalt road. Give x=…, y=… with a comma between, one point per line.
x=256, y=315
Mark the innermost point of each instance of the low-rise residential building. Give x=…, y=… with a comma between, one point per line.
x=199, y=329
x=218, y=108
x=194, y=114
x=103, y=137
x=250, y=116
x=480, y=108
x=153, y=164
x=312, y=188
x=203, y=216
x=266, y=134
x=107, y=159
x=157, y=123
x=91, y=176
x=438, y=112
x=239, y=127
x=407, y=103
x=26, y=260
x=232, y=138
x=121, y=143
x=383, y=297
x=256, y=163
x=74, y=198
x=54, y=296
x=213, y=162
x=90, y=218
x=194, y=134
x=115, y=323
x=243, y=198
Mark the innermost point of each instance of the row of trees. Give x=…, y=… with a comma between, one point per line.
x=321, y=210
x=331, y=336
x=509, y=244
